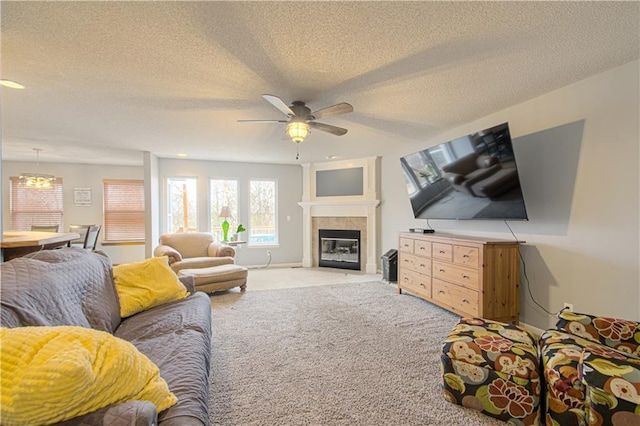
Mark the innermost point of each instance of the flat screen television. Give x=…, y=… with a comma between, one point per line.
x=472, y=177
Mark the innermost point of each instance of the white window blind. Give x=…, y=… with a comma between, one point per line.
x=35, y=206
x=123, y=210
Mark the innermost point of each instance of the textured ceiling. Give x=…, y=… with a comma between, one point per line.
x=107, y=80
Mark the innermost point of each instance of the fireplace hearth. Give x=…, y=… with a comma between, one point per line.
x=339, y=248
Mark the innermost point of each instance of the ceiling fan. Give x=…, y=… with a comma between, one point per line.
x=300, y=118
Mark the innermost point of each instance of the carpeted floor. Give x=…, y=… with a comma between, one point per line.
x=349, y=354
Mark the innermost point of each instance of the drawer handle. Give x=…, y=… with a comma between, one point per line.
x=422, y=285
x=421, y=248
x=465, y=301
x=440, y=292
x=441, y=252
x=465, y=256
x=423, y=265
x=441, y=270
x=466, y=277
x=406, y=245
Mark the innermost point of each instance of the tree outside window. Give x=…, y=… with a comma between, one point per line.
x=223, y=192
x=182, y=205
x=262, y=219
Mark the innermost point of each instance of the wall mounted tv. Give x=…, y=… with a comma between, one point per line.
x=472, y=177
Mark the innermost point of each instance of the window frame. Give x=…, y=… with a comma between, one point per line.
x=109, y=186
x=251, y=226
x=15, y=190
x=167, y=204
x=215, y=224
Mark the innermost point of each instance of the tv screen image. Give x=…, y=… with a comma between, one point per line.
x=472, y=177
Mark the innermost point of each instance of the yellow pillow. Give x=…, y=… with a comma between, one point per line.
x=143, y=285
x=52, y=374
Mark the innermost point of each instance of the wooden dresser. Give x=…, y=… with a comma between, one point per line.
x=470, y=276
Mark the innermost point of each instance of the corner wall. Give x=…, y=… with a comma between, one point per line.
x=583, y=244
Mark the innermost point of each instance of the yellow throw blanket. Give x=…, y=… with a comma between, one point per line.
x=52, y=374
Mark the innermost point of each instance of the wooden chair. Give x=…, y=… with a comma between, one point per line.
x=44, y=228
x=91, y=237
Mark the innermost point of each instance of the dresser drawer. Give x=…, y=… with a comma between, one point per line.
x=406, y=245
x=415, y=263
x=442, y=251
x=459, y=298
x=422, y=248
x=457, y=274
x=415, y=283
x=468, y=256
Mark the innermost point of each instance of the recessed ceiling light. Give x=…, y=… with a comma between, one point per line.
x=331, y=157
x=11, y=84
x=182, y=154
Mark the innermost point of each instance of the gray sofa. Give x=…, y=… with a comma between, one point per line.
x=75, y=287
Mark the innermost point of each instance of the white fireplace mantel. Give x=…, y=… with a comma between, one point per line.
x=364, y=205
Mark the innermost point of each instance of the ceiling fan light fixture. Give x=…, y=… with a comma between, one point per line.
x=297, y=131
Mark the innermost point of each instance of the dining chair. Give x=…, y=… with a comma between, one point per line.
x=44, y=228
x=82, y=231
x=91, y=237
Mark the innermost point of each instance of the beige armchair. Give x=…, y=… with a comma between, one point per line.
x=191, y=250
x=211, y=263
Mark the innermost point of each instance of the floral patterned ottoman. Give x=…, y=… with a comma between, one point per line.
x=494, y=368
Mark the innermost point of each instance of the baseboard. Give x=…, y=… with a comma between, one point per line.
x=275, y=265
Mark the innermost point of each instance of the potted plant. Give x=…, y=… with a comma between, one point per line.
x=239, y=229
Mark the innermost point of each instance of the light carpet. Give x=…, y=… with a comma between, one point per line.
x=349, y=354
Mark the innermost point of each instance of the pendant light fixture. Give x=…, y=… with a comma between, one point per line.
x=37, y=180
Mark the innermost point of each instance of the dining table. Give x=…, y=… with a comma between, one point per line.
x=20, y=243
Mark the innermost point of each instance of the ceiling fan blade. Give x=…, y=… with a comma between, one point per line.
x=279, y=103
x=334, y=130
x=341, y=108
x=263, y=121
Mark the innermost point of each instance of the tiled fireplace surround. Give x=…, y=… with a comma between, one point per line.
x=355, y=212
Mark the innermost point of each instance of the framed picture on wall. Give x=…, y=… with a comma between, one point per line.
x=82, y=196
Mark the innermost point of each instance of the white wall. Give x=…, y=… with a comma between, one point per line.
x=78, y=176
x=289, y=182
x=586, y=252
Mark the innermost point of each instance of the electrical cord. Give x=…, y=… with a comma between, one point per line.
x=526, y=279
x=268, y=263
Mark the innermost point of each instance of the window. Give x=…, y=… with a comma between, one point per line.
x=35, y=206
x=123, y=210
x=224, y=192
x=182, y=205
x=262, y=210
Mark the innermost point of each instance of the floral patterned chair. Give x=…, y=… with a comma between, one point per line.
x=494, y=368
x=591, y=366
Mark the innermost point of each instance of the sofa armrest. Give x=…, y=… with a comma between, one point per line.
x=220, y=250
x=130, y=413
x=612, y=332
x=170, y=252
x=454, y=178
x=189, y=282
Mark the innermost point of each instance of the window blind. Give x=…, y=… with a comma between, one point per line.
x=35, y=206
x=123, y=210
